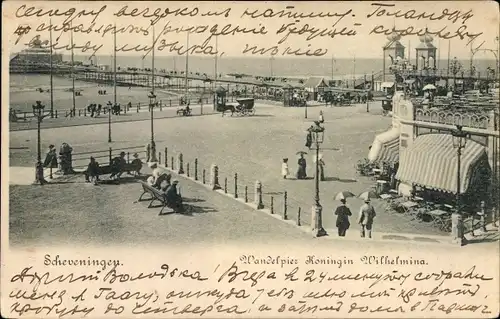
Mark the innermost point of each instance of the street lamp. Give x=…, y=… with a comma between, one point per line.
x=110, y=107
x=459, y=138
x=318, y=133
x=38, y=113
x=152, y=102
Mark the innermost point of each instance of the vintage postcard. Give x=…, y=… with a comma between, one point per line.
x=280, y=159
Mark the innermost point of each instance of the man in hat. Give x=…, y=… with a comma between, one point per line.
x=137, y=164
x=343, y=212
x=365, y=220
x=117, y=165
x=174, y=200
x=51, y=157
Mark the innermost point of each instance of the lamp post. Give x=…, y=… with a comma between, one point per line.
x=152, y=103
x=459, y=141
x=318, y=133
x=38, y=113
x=110, y=107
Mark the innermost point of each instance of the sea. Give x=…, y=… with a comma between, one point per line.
x=341, y=68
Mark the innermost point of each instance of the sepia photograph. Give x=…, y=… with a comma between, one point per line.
x=265, y=147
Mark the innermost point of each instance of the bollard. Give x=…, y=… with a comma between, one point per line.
x=272, y=205
x=172, y=162
x=214, y=177
x=203, y=177
x=195, y=169
x=180, y=164
x=110, y=159
x=56, y=113
x=84, y=112
x=160, y=105
x=159, y=158
x=225, y=185
x=285, y=206
x=137, y=107
x=79, y=113
x=187, y=169
x=246, y=194
x=128, y=157
x=258, y=195
x=298, y=218
x=170, y=103
x=235, y=185
x=166, y=157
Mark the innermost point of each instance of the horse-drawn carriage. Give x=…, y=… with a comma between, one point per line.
x=244, y=106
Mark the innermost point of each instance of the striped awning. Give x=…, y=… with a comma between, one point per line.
x=385, y=147
x=431, y=162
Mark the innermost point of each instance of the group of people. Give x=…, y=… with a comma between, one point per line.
x=365, y=218
x=94, y=109
x=162, y=181
x=117, y=168
x=63, y=161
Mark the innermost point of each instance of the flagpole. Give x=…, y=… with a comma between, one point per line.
x=73, y=70
x=187, y=66
x=51, y=76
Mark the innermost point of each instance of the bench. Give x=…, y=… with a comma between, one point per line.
x=155, y=195
x=106, y=169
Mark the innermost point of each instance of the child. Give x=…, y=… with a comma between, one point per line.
x=284, y=168
x=321, y=118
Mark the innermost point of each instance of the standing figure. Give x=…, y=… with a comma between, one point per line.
x=343, y=212
x=65, y=158
x=51, y=157
x=301, y=171
x=309, y=137
x=284, y=168
x=365, y=220
x=321, y=117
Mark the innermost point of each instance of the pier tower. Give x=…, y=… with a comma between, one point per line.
x=393, y=50
x=425, y=53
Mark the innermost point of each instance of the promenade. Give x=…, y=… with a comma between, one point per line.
x=252, y=147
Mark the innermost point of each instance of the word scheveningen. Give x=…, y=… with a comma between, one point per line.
x=58, y=261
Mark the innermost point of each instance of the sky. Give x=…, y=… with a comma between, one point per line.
x=273, y=20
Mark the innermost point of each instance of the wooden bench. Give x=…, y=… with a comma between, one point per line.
x=106, y=169
x=156, y=195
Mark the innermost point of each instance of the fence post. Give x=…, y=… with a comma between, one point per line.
x=187, y=169
x=137, y=107
x=128, y=157
x=235, y=185
x=285, y=206
x=195, y=169
x=272, y=204
x=56, y=113
x=170, y=102
x=246, y=194
x=172, y=162
x=298, y=218
x=166, y=158
x=160, y=105
x=203, y=177
x=225, y=185
x=214, y=178
x=84, y=112
x=180, y=164
x=258, y=195
x=159, y=158
x=110, y=159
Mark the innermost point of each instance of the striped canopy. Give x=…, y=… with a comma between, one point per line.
x=431, y=162
x=385, y=147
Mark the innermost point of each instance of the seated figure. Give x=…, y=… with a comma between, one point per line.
x=174, y=200
x=92, y=172
x=117, y=166
x=136, y=164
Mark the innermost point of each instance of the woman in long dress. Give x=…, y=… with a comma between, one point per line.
x=301, y=171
